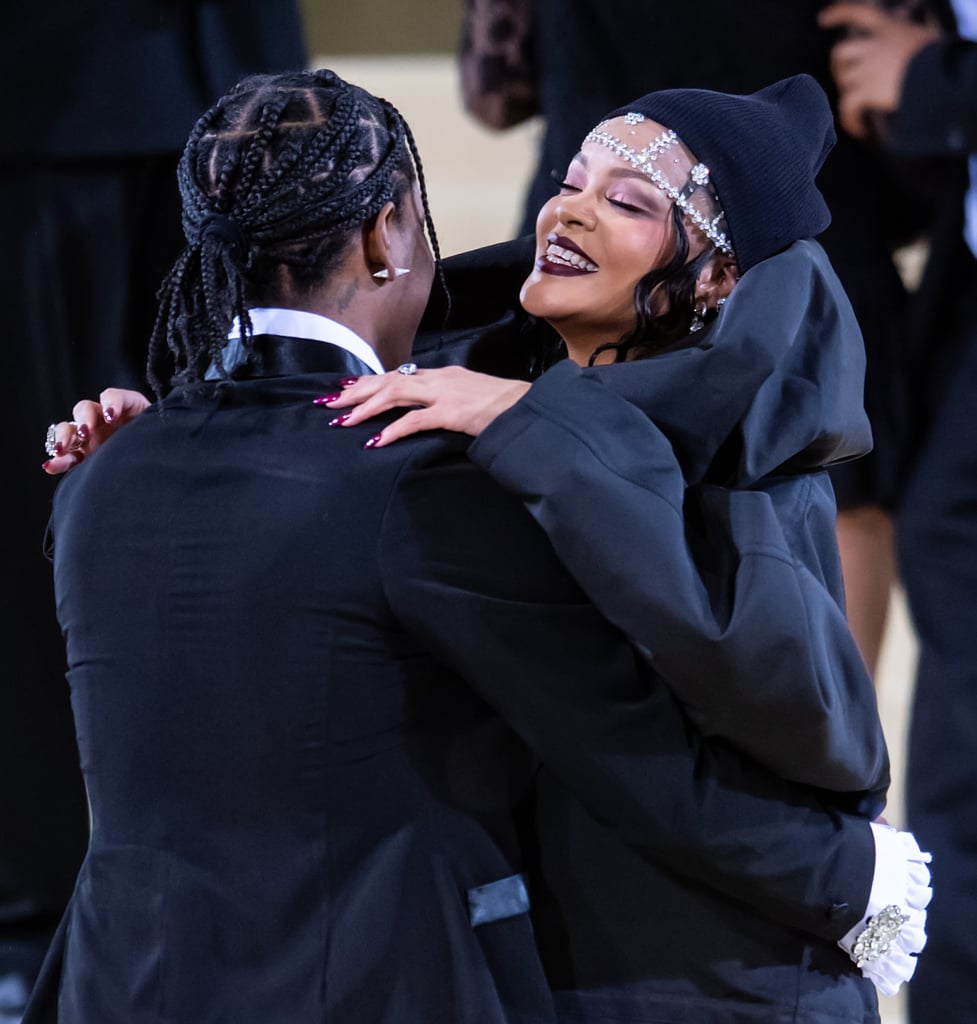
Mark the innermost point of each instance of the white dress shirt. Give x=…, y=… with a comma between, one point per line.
x=297, y=323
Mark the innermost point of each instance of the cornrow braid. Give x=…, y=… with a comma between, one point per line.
x=278, y=174
x=428, y=220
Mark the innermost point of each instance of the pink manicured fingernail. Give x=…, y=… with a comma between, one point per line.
x=108, y=414
x=339, y=420
x=82, y=432
x=373, y=440
x=44, y=465
x=348, y=381
x=326, y=399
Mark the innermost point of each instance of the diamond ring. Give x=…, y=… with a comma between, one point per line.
x=51, y=441
x=407, y=369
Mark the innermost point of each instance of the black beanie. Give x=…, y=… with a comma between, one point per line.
x=762, y=151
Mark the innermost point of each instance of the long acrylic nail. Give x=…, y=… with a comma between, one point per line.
x=326, y=399
x=340, y=420
x=373, y=441
x=348, y=381
x=108, y=414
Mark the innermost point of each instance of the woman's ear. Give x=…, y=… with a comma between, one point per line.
x=378, y=239
x=717, y=279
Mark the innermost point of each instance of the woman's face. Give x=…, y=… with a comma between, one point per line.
x=605, y=230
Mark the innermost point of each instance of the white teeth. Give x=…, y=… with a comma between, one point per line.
x=567, y=258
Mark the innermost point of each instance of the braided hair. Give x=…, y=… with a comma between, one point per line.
x=276, y=178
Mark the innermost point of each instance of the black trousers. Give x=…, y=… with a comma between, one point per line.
x=937, y=539
x=86, y=245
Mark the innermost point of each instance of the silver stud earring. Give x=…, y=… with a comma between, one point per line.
x=384, y=275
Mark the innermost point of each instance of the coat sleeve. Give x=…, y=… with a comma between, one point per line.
x=473, y=577
x=742, y=630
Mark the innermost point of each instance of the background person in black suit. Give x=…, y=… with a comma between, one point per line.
x=100, y=97
x=458, y=572
x=923, y=93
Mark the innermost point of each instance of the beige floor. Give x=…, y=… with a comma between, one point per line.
x=476, y=180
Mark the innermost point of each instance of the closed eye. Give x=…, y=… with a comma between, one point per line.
x=622, y=205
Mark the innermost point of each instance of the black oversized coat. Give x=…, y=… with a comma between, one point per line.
x=688, y=495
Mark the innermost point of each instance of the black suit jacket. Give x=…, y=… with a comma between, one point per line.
x=937, y=121
x=306, y=680
x=110, y=78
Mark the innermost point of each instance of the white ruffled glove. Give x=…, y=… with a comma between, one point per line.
x=885, y=942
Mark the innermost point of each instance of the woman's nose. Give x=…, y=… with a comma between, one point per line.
x=576, y=208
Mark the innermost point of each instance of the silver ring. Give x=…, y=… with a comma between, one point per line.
x=50, y=441
x=407, y=369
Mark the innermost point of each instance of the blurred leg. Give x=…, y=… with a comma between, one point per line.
x=937, y=541
x=866, y=543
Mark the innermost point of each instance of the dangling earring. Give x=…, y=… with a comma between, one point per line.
x=721, y=302
x=698, y=317
x=384, y=275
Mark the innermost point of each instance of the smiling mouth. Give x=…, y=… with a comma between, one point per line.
x=562, y=257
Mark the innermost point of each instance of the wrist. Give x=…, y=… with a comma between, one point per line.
x=884, y=944
x=504, y=400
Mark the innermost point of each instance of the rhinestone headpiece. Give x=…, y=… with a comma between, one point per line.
x=694, y=196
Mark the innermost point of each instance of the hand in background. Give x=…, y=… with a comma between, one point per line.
x=869, y=66
x=447, y=398
x=92, y=423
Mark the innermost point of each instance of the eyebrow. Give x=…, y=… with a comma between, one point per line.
x=626, y=172
x=620, y=172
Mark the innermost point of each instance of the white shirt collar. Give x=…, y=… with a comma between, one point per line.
x=297, y=323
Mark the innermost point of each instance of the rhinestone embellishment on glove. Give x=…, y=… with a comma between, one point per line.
x=877, y=939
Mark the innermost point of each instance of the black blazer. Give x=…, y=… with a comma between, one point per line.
x=109, y=78
x=936, y=122
x=306, y=681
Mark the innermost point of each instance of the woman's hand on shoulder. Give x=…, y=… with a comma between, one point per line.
x=91, y=424
x=446, y=398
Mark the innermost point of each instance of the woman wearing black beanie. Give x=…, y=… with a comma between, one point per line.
x=677, y=460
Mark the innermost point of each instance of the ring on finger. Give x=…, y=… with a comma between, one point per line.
x=51, y=441
x=407, y=369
